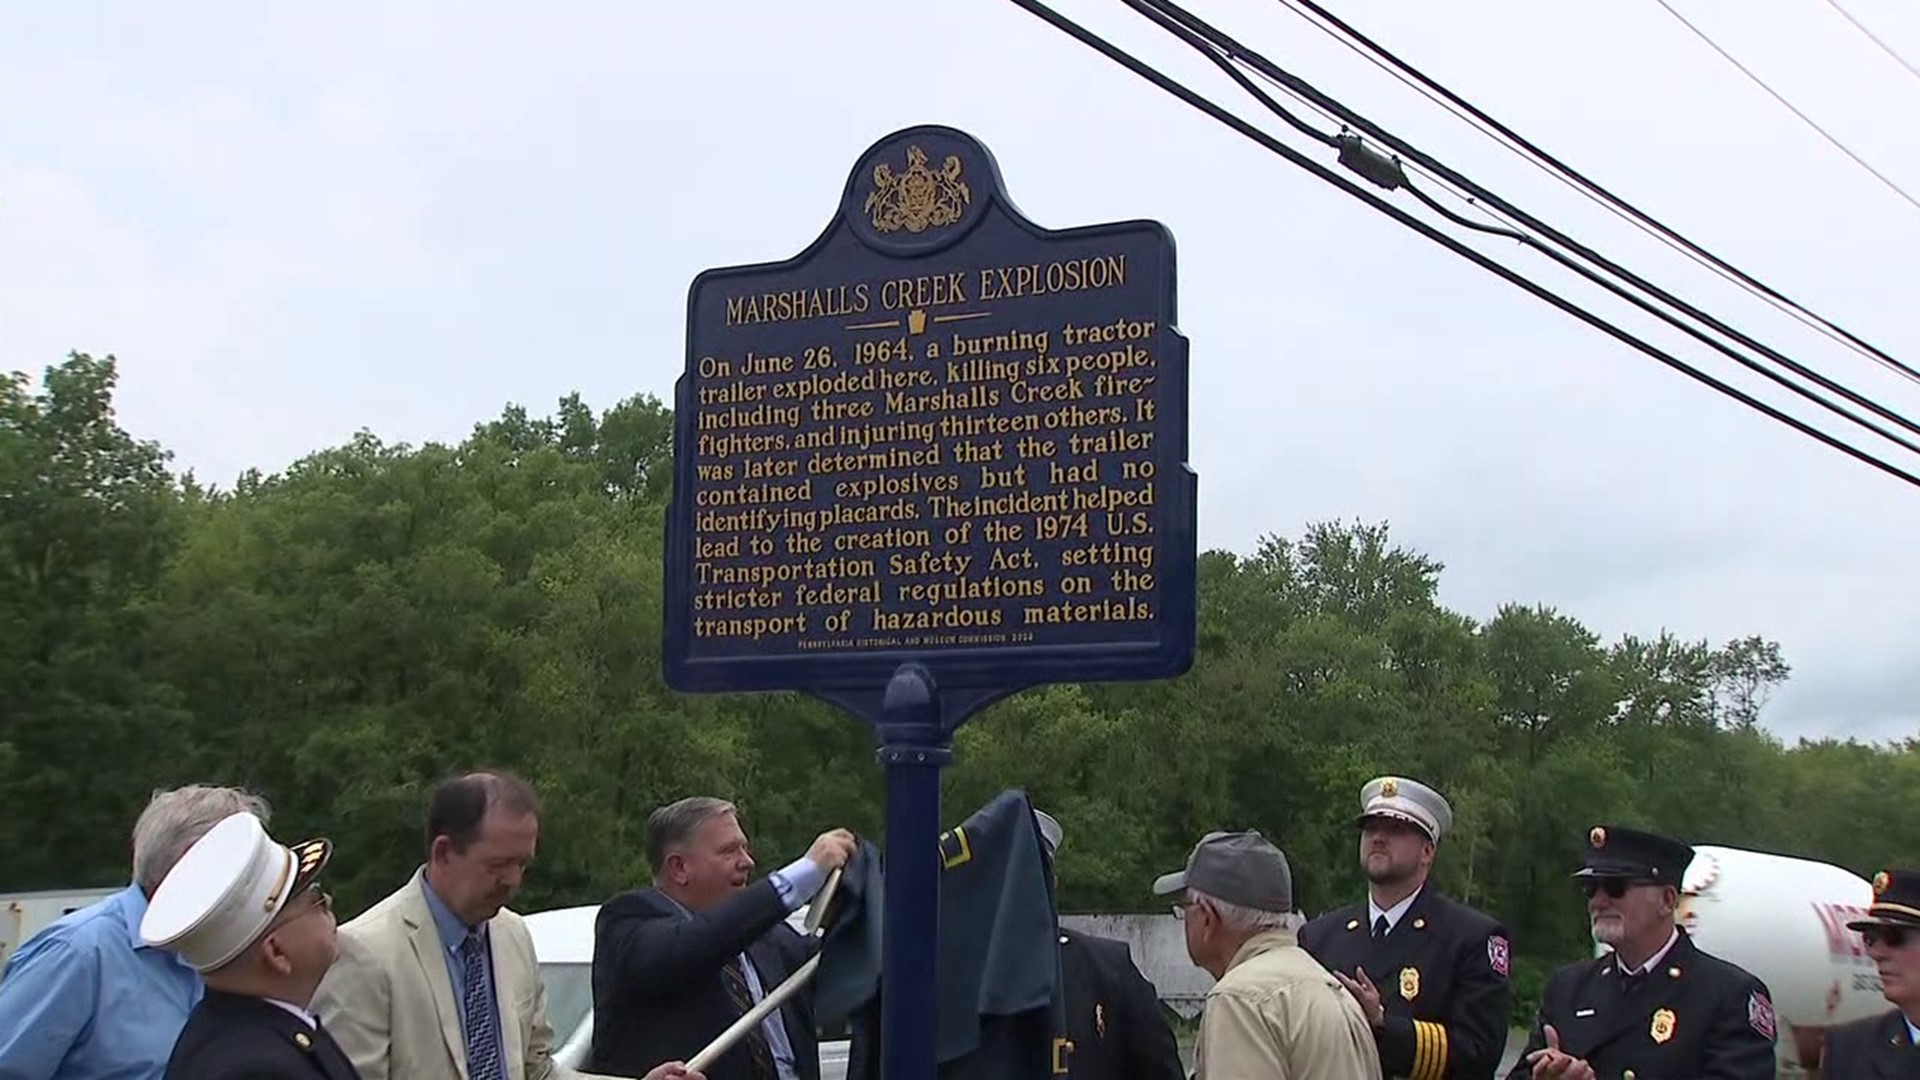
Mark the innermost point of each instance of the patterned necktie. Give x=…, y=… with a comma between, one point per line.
x=483, y=1036
x=756, y=1039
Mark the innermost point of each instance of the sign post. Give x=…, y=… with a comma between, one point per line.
x=936, y=458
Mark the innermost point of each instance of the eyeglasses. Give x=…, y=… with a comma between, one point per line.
x=1895, y=936
x=322, y=901
x=1613, y=887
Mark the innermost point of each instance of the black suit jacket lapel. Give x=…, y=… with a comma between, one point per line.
x=1894, y=1055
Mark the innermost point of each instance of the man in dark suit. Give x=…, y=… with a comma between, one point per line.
x=1887, y=1045
x=1430, y=973
x=676, y=964
x=1115, y=1024
x=1656, y=1005
x=247, y=914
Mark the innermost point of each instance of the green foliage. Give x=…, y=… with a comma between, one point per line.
x=341, y=634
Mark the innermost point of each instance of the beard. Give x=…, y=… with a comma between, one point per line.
x=1379, y=868
x=1609, y=929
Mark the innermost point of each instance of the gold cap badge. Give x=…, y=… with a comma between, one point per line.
x=1880, y=883
x=1598, y=837
x=1388, y=789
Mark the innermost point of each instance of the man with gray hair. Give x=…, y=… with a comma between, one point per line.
x=1273, y=1010
x=87, y=997
x=677, y=964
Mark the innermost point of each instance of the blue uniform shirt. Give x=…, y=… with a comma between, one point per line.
x=85, y=999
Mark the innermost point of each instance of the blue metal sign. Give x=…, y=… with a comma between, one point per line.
x=935, y=458
x=941, y=434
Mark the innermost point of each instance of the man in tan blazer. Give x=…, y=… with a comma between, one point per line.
x=439, y=981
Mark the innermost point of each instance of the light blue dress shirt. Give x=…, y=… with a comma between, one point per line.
x=86, y=999
x=452, y=933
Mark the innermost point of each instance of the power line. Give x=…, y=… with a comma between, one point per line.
x=1223, y=60
x=1409, y=166
x=1804, y=118
x=1262, y=138
x=1875, y=38
x=1388, y=176
x=1520, y=146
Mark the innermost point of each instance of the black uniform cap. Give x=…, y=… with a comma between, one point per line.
x=1896, y=900
x=1614, y=851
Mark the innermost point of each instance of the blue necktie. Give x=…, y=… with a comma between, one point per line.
x=483, y=1042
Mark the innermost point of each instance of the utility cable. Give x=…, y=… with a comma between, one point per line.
x=1194, y=41
x=1875, y=38
x=1295, y=157
x=1439, y=181
x=1381, y=57
x=1235, y=49
x=1804, y=118
x=1224, y=63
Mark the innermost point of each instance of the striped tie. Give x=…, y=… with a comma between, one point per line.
x=756, y=1039
x=483, y=1035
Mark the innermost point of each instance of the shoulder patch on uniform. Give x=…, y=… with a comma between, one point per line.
x=1497, y=954
x=1760, y=1013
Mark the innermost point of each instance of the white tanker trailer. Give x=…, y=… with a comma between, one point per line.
x=1785, y=920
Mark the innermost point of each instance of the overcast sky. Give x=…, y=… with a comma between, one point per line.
x=293, y=222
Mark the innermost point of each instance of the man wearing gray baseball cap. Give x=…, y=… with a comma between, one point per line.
x=1273, y=1009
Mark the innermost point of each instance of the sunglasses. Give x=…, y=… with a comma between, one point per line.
x=1613, y=887
x=1895, y=936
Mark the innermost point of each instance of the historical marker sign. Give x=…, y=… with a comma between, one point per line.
x=940, y=434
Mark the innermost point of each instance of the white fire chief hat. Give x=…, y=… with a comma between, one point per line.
x=225, y=891
x=1408, y=800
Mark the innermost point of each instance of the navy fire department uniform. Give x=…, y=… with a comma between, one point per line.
x=1874, y=1048
x=1115, y=1030
x=1441, y=969
x=1442, y=976
x=1880, y=1047
x=1692, y=1015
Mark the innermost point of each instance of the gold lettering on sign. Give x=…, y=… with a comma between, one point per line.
x=962, y=475
x=918, y=198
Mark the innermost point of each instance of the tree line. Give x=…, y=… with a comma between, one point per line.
x=340, y=634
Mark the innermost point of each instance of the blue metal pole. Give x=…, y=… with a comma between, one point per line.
x=913, y=749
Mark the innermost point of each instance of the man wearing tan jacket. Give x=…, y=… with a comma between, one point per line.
x=439, y=981
x=1274, y=1012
